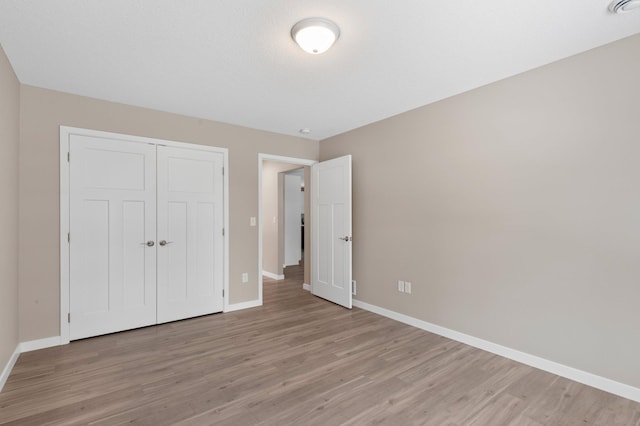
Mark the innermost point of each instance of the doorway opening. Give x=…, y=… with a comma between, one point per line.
x=284, y=206
x=292, y=210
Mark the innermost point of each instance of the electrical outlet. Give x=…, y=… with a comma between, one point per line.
x=245, y=277
x=407, y=287
x=252, y=221
x=353, y=287
x=401, y=286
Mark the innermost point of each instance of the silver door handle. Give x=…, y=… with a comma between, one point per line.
x=164, y=243
x=345, y=238
x=148, y=243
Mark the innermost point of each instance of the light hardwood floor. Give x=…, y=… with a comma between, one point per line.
x=297, y=360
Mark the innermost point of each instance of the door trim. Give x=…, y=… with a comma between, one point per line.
x=281, y=159
x=65, y=134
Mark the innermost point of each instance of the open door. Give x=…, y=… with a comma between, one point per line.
x=331, y=230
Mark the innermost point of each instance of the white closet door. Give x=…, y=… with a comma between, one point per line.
x=112, y=216
x=190, y=233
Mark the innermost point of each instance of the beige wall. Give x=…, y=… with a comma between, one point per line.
x=270, y=206
x=9, y=140
x=514, y=211
x=43, y=111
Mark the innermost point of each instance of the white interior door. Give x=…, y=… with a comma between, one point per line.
x=112, y=209
x=331, y=230
x=293, y=209
x=190, y=233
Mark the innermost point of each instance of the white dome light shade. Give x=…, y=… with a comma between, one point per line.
x=622, y=6
x=315, y=35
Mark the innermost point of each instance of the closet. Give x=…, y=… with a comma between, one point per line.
x=145, y=232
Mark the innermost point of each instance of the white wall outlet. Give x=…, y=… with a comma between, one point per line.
x=252, y=221
x=353, y=287
x=407, y=287
x=401, y=286
x=245, y=277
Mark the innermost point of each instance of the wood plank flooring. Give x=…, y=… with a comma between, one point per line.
x=297, y=360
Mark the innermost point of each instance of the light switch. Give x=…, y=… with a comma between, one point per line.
x=252, y=221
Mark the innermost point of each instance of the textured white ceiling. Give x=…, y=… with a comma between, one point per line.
x=234, y=60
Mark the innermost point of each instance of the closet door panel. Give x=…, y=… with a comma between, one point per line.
x=112, y=207
x=190, y=233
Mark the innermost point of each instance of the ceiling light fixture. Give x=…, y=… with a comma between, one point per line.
x=622, y=6
x=315, y=35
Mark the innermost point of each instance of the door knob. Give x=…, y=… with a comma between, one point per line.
x=149, y=243
x=345, y=238
x=164, y=243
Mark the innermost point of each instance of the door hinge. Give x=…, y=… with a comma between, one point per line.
x=223, y=232
x=68, y=237
x=223, y=292
x=223, y=171
x=68, y=157
x=69, y=317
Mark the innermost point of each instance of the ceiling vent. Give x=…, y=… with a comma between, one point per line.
x=622, y=6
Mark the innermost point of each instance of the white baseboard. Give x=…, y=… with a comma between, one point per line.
x=243, y=305
x=7, y=368
x=34, y=345
x=584, y=377
x=272, y=275
x=306, y=286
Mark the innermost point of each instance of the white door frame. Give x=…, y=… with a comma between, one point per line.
x=280, y=159
x=65, y=134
